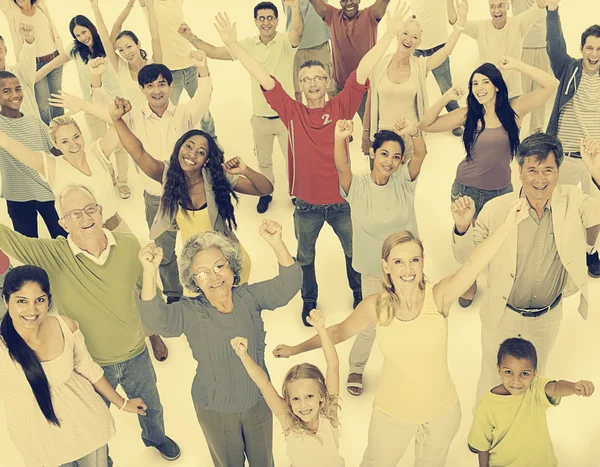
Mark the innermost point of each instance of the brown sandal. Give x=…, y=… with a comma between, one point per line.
x=354, y=387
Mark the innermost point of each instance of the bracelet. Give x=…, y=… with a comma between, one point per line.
x=366, y=129
x=125, y=400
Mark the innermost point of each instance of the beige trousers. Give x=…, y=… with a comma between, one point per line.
x=265, y=130
x=573, y=172
x=538, y=58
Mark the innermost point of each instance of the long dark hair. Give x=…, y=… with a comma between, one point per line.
x=176, y=192
x=81, y=49
x=476, y=111
x=135, y=40
x=18, y=349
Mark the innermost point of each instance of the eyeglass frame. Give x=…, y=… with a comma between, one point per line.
x=69, y=214
x=266, y=18
x=314, y=79
x=211, y=271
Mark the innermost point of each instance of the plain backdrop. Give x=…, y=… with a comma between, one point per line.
x=573, y=425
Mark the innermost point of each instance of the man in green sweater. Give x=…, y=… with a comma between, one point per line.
x=95, y=277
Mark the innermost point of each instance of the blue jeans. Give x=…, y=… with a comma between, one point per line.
x=441, y=73
x=479, y=196
x=188, y=78
x=49, y=84
x=97, y=458
x=308, y=221
x=138, y=379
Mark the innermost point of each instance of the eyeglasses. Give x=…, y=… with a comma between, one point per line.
x=262, y=19
x=77, y=214
x=205, y=274
x=498, y=5
x=315, y=79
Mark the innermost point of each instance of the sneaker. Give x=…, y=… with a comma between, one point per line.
x=169, y=449
x=263, y=204
x=593, y=263
x=306, y=309
x=457, y=131
x=357, y=298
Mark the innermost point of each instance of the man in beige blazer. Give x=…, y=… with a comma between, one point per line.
x=541, y=262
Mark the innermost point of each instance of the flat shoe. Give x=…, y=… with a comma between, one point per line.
x=465, y=302
x=124, y=192
x=160, y=350
x=354, y=388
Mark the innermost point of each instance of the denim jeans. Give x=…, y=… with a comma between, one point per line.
x=188, y=78
x=138, y=379
x=49, y=84
x=479, y=196
x=97, y=458
x=23, y=215
x=308, y=221
x=441, y=73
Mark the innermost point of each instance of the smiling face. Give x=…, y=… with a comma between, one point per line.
x=349, y=8
x=157, y=92
x=516, y=374
x=591, y=54
x=28, y=306
x=304, y=399
x=69, y=140
x=83, y=35
x=193, y=153
x=313, y=82
x=539, y=178
x=23, y=3
x=127, y=48
x=87, y=225
x=217, y=284
x=11, y=94
x=266, y=23
x=405, y=265
x=410, y=37
x=499, y=12
x=387, y=158
x=483, y=89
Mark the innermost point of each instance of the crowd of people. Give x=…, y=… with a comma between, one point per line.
x=92, y=279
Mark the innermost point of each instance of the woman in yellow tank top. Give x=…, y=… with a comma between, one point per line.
x=416, y=395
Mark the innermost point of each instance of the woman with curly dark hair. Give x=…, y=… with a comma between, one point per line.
x=198, y=184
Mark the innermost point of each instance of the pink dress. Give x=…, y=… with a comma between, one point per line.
x=86, y=423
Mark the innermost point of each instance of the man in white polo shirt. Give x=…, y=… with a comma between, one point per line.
x=276, y=52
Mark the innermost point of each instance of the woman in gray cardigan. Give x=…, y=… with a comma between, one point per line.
x=231, y=410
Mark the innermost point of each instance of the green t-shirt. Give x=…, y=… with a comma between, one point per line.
x=101, y=298
x=514, y=429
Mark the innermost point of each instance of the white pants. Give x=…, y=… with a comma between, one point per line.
x=538, y=58
x=541, y=332
x=361, y=350
x=264, y=131
x=573, y=172
x=389, y=438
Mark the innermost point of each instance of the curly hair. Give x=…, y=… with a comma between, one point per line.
x=176, y=192
x=203, y=241
x=79, y=48
x=328, y=407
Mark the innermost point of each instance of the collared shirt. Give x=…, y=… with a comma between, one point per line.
x=159, y=134
x=175, y=48
x=277, y=56
x=100, y=260
x=540, y=275
x=316, y=32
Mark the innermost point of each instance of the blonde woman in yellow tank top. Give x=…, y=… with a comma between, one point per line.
x=416, y=396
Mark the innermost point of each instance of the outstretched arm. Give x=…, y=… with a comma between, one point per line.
x=433, y=122
x=118, y=24
x=332, y=377
x=452, y=16
x=297, y=29
x=567, y=388
x=216, y=53
x=320, y=7
x=556, y=46
x=343, y=131
x=157, y=55
x=250, y=181
x=22, y=153
x=107, y=43
x=404, y=127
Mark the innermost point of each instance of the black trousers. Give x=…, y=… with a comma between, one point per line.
x=24, y=217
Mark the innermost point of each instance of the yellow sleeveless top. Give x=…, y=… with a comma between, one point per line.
x=415, y=385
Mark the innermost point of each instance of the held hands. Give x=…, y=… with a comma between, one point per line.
x=404, y=127
x=235, y=166
x=97, y=66
x=185, y=31
x=454, y=93
x=150, y=256
x=26, y=31
x=199, y=58
x=137, y=406
x=395, y=22
x=344, y=129
x=240, y=346
x=517, y=213
x=225, y=29
x=508, y=63
x=316, y=319
x=271, y=231
x=463, y=212
x=590, y=153
x=119, y=108
x=584, y=388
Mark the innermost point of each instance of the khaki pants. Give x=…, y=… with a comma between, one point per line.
x=264, y=131
x=389, y=438
x=573, y=172
x=361, y=350
x=540, y=331
x=538, y=58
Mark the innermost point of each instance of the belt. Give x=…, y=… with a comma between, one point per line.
x=269, y=118
x=535, y=312
x=47, y=58
x=113, y=222
x=573, y=154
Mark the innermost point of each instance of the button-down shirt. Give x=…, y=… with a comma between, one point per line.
x=541, y=276
x=100, y=260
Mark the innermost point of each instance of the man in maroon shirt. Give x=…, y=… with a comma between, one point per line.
x=312, y=173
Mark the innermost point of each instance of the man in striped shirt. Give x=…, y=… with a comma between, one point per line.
x=25, y=192
x=575, y=113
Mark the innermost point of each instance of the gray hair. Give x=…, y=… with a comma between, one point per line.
x=540, y=145
x=203, y=241
x=68, y=189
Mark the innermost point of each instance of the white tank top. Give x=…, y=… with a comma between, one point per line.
x=308, y=451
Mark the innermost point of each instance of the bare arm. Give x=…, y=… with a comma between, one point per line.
x=343, y=130
x=23, y=154
x=297, y=29
x=118, y=24
x=332, y=377
x=109, y=142
x=432, y=122
x=452, y=16
x=48, y=67
x=157, y=55
x=109, y=46
x=420, y=151
x=320, y=7
x=530, y=101
x=216, y=53
x=250, y=181
x=567, y=388
x=379, y=8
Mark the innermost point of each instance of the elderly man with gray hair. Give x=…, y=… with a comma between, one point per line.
x=95, y=277
x=541, y=262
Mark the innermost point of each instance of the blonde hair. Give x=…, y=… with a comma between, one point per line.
x=58, y=122
x=388, y=301
x=328, y=407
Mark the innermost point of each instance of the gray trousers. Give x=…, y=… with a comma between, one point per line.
x=234, y=436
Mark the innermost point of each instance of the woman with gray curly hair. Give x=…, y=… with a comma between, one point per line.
x=231, y=410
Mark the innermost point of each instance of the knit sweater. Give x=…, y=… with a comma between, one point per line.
x=101, y=298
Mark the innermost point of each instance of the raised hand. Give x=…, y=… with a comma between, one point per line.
x=63, y=100
x=454, y=93
x=508, y=63
x=344, y=129
x=283, y=351
x=225, y=29
x=271, y=231
x=137, y=406
x=395, y=22
x=366, y=143
x=26, y=32
x=185, y=31
x=199, y=58
x=119, y=108
x=590, y=153
x=97, y=66
x=240, y=346
x=517, y=212
x=94, y=4
x=150, y=256
x=404, y=127
x=316, y=319
x=235, y=166
x=584, y=388
x=463, y=212
x=462, y=10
